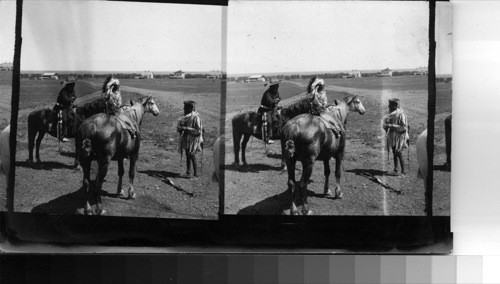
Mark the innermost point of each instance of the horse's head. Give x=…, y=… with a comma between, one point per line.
x=355, y=105
x=149, y=105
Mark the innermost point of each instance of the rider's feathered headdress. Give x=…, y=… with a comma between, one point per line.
x=315, y=81
x=108, y=83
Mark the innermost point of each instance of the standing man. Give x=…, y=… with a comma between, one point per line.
x=396, y=128
x=190, y=128
x=270, y=100
x=65, y=101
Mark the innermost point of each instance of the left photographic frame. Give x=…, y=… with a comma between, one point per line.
x=98, y=91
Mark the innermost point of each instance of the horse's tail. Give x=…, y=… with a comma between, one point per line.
x=87, y=147
x=289, y=149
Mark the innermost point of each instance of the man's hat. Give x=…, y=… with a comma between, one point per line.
x=273, y=81
x=189, y=103
x=394, y=102
x=69, y=80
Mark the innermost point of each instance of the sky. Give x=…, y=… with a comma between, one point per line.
x=444, y=38
x=262, y=36
x=7, y=29
x=279, y=36
x=111, y=36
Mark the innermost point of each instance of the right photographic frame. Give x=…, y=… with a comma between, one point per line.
x=329, y=109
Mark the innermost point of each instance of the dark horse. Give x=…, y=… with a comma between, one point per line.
x=308, y=138
x=245, y=123
x=249, y=123
x=39, y=121
x=105, y=137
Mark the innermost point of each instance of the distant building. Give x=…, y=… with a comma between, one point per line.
x=421, y=71
x=6, y=66
x=178, y=75
x=385, y=73
x=256, y=78
x=49, y=76
x=354, y=74
x=215, y=74
x=147, y=75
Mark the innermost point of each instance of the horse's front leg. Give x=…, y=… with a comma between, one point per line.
x=244, y=143
x=131, y=175
x=328, y=191
x=306, y=175
x=236, y=147
x=76, y=163
x=292, y=185
x=103, y=171
x=338, y=170
x=38, y=142
x=121, y=172
x=87, y=186
x=283, y=160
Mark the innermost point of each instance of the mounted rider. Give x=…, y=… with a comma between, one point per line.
x=317, y=94
x=65, y=101
x=319, y=105
x=111, y=92
x=268, y=104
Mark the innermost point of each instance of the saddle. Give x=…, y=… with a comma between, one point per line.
x=278, y=121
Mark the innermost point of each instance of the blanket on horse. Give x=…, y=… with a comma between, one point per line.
x=333, y=123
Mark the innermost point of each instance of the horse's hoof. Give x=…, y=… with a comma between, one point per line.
x=87, y=212
x=100, y=212
x=339, y=195
x=131, y=196
x=120, y=193
x=328, y=194
x=307, y=212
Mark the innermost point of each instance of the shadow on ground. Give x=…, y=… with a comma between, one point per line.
x=47, y=166
x=274, y=205
x=251, y=168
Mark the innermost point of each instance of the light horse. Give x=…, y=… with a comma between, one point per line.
x=244, y=124
x=5, y=152
x=308, y=138
x=39, y=121
x=107, y=137
x=421, y=145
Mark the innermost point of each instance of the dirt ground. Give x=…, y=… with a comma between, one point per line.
x=55, y=187
x=261, y=187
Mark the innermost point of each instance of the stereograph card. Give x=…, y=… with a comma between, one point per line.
x=240, y=125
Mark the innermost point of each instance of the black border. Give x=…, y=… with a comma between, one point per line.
x=352, y=234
